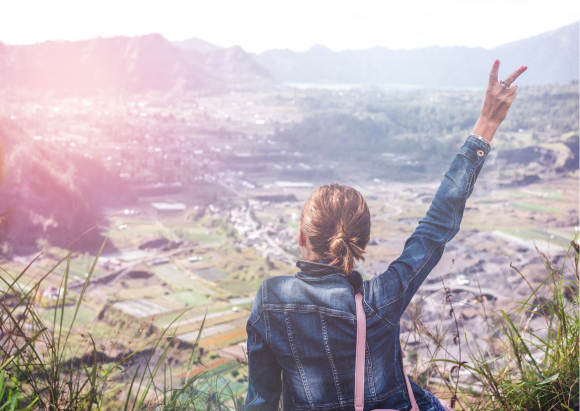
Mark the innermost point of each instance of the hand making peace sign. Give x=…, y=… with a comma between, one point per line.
x=499, y=97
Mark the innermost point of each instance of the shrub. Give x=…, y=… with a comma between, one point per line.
x=515, y=367
x=50, y=367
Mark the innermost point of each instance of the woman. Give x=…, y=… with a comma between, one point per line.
x=302, y=333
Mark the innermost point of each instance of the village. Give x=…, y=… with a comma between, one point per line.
x=216, y=210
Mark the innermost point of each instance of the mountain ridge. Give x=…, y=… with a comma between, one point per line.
x=127, y=64
x=152, y=63
x=551, y=56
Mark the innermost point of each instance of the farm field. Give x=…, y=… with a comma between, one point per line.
x=214, y=274
x=215, y=205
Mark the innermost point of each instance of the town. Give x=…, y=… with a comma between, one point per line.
x=212, y=201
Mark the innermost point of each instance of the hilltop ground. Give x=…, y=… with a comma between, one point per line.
x=218, y=192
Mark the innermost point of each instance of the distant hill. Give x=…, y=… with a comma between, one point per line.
x=47, y=192
x=552, y=57
x=196, y=44
x=129, y=64
x=151, y=62
x=235, y=67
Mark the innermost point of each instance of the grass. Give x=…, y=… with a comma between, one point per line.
x=48, y=362
x=532, y=234
x=199, y=234
x=83, y=316
x=534, y=207
x=53, y=366
x=528, y=357
x=189, y=298
x=546, y=194
x=179, y=279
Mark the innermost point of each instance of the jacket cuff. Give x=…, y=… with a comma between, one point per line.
x=477, y=150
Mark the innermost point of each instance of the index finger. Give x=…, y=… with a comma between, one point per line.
x=494, y=71
x=512, y=77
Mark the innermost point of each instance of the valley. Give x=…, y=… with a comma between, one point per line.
x=208, y=192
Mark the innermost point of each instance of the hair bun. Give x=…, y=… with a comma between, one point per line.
x=337, y=222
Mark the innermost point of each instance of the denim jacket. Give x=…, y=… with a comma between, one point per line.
x=302, y=329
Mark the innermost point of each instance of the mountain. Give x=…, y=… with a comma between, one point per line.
x=133, y=64
x=150, y=62
x=234, y=66
x=552, y=58
x=128, y=64
x=47, y=192
x=196, y=44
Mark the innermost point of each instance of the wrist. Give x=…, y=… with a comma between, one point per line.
x=485, y=128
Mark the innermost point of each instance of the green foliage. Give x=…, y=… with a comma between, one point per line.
x=50, y=368
x=517, y=367
x=10, y=396
x=428, y=124
x=45, y=366
x=534, y=371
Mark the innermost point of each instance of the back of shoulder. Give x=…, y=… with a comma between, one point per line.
x=279, y=290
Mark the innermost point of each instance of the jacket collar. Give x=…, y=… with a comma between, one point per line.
x=311, y=270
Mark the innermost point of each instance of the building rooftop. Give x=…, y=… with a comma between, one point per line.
x=169, y=206
x=292, y=184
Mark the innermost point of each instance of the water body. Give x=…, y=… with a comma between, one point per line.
x=350, y=86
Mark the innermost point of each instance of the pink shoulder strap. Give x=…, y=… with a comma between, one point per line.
x=359, y=377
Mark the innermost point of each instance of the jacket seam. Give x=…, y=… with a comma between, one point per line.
x=250, y=403
x=256, y=320
x=331, y=360
x=307, y=308
x=312, y=278
x=398, y=368
x=253, y=345
x=261, y=305
x=370, y=375
x=298, y=362
x=388, y=323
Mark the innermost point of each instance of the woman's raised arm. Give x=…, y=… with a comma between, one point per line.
x=391, y=292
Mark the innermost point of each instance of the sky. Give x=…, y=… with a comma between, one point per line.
x=259, y=25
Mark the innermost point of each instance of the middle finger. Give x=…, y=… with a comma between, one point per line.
x=512, y=77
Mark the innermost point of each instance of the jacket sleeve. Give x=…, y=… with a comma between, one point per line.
x=393, y=290
x=264, y=372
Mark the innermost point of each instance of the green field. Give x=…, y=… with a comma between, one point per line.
x=547, y=194
x=531, y=234
x=534, y=207
x=84, y=316
x=189, y=298
x=178, y=279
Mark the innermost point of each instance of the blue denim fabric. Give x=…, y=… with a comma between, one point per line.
x=437, y=406
x=302, y=329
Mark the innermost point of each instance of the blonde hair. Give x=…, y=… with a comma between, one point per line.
x=337, y=222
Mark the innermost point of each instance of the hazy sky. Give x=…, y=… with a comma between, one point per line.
x=258, y=25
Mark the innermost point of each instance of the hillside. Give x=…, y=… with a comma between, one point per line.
x=552, y=58
x=234, y=68
x=196, y=44
x=50, y=193
x=409, y=135
x=125, y=64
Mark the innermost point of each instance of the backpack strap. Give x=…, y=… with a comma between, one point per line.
x=361, y=336
x=359, y=376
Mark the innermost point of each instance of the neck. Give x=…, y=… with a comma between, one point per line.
x=309, y=255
